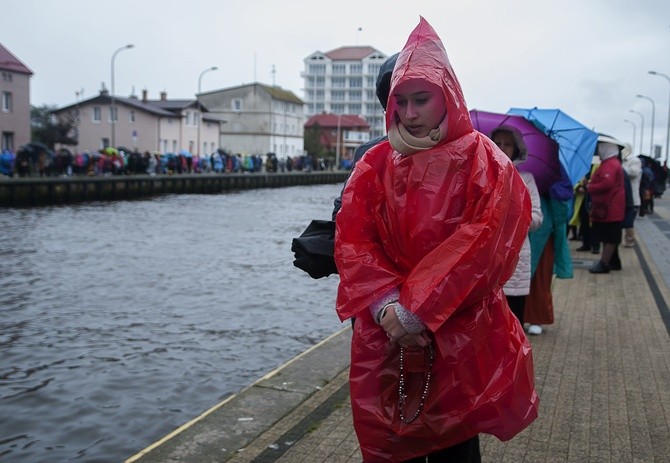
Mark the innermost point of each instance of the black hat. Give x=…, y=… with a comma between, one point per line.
x=384, y=79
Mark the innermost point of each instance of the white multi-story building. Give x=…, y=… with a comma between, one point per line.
x=342, y=81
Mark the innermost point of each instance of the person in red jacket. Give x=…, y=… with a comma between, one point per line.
x=430, y=229
x=608, y=203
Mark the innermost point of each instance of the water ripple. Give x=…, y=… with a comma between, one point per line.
x=121, y=321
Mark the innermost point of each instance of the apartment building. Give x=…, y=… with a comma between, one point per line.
x=158, y=125
x=14, y=101
x=260, y=119
x=342, y=81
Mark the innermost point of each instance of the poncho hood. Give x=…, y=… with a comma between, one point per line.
x=518, y=139
x=424, y=57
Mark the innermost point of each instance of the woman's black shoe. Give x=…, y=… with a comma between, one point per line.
x=583, y=248
x=600, y=267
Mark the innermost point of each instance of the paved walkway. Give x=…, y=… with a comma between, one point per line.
x=602, y=373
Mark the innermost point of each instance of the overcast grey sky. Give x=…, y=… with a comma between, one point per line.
x=587, y=57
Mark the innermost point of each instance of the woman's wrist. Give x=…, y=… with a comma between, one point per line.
x=388, y=298
x=382, y=313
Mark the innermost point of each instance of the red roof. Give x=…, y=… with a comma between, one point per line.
x=10, y=62
x=350, y=53
x=349, y=121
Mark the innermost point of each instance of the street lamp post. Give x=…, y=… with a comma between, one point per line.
x=641, y=126
x=113, y=107
x=197, y=97
x=667, y=133
x=634, y=129
x=653, y=112
x=337, y=143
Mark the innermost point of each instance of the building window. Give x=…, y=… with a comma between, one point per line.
x=337, y=108
x=113, y=113
x=237, y=104
x=356, y=69
x=97, y=114
x=355, y=109
x=374, y=68
x=7, y=76
x=132, y=117
x=6, y=102
x=174, y=146
x=355, y=95
x=188, y=118
x=337, y=95
x=370, y=81
x=321, y=81
x=8, y=141
x=318, y=69
x=355, y=82
x=338, y=82
x=339, y=69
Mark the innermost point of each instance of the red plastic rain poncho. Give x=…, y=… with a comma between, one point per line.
x=443, y=227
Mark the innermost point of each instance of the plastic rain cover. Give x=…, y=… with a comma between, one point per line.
x=443, y=226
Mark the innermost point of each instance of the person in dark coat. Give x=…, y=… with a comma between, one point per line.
x=314, y=249
x=383, y=84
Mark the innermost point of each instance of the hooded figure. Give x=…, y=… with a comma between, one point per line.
x=517, y=287
x=434, y=225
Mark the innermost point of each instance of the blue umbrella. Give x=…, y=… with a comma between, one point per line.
x=576, y=142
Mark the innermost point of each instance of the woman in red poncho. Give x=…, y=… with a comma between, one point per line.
x=430, y=229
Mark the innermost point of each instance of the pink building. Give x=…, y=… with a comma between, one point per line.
x=14, y=101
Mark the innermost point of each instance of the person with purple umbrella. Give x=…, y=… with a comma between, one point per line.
x=510, y=142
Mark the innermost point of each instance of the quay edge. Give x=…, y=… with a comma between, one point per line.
x=224, y=430
x=45, y=191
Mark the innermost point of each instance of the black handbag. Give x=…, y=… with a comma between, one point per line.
x=314, y=248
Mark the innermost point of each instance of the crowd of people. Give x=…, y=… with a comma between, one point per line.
x=620, y=187
x=41, y=162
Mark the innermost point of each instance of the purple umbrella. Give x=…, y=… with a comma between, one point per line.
x=542, y=160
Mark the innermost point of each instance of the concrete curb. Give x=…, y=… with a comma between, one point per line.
x=220, y=432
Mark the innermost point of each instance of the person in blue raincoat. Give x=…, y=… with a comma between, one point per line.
x=7, y=163
x=430, y=228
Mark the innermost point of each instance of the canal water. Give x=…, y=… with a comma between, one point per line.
x=121, y=321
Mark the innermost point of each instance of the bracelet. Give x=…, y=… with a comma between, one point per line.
x=382, y=313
